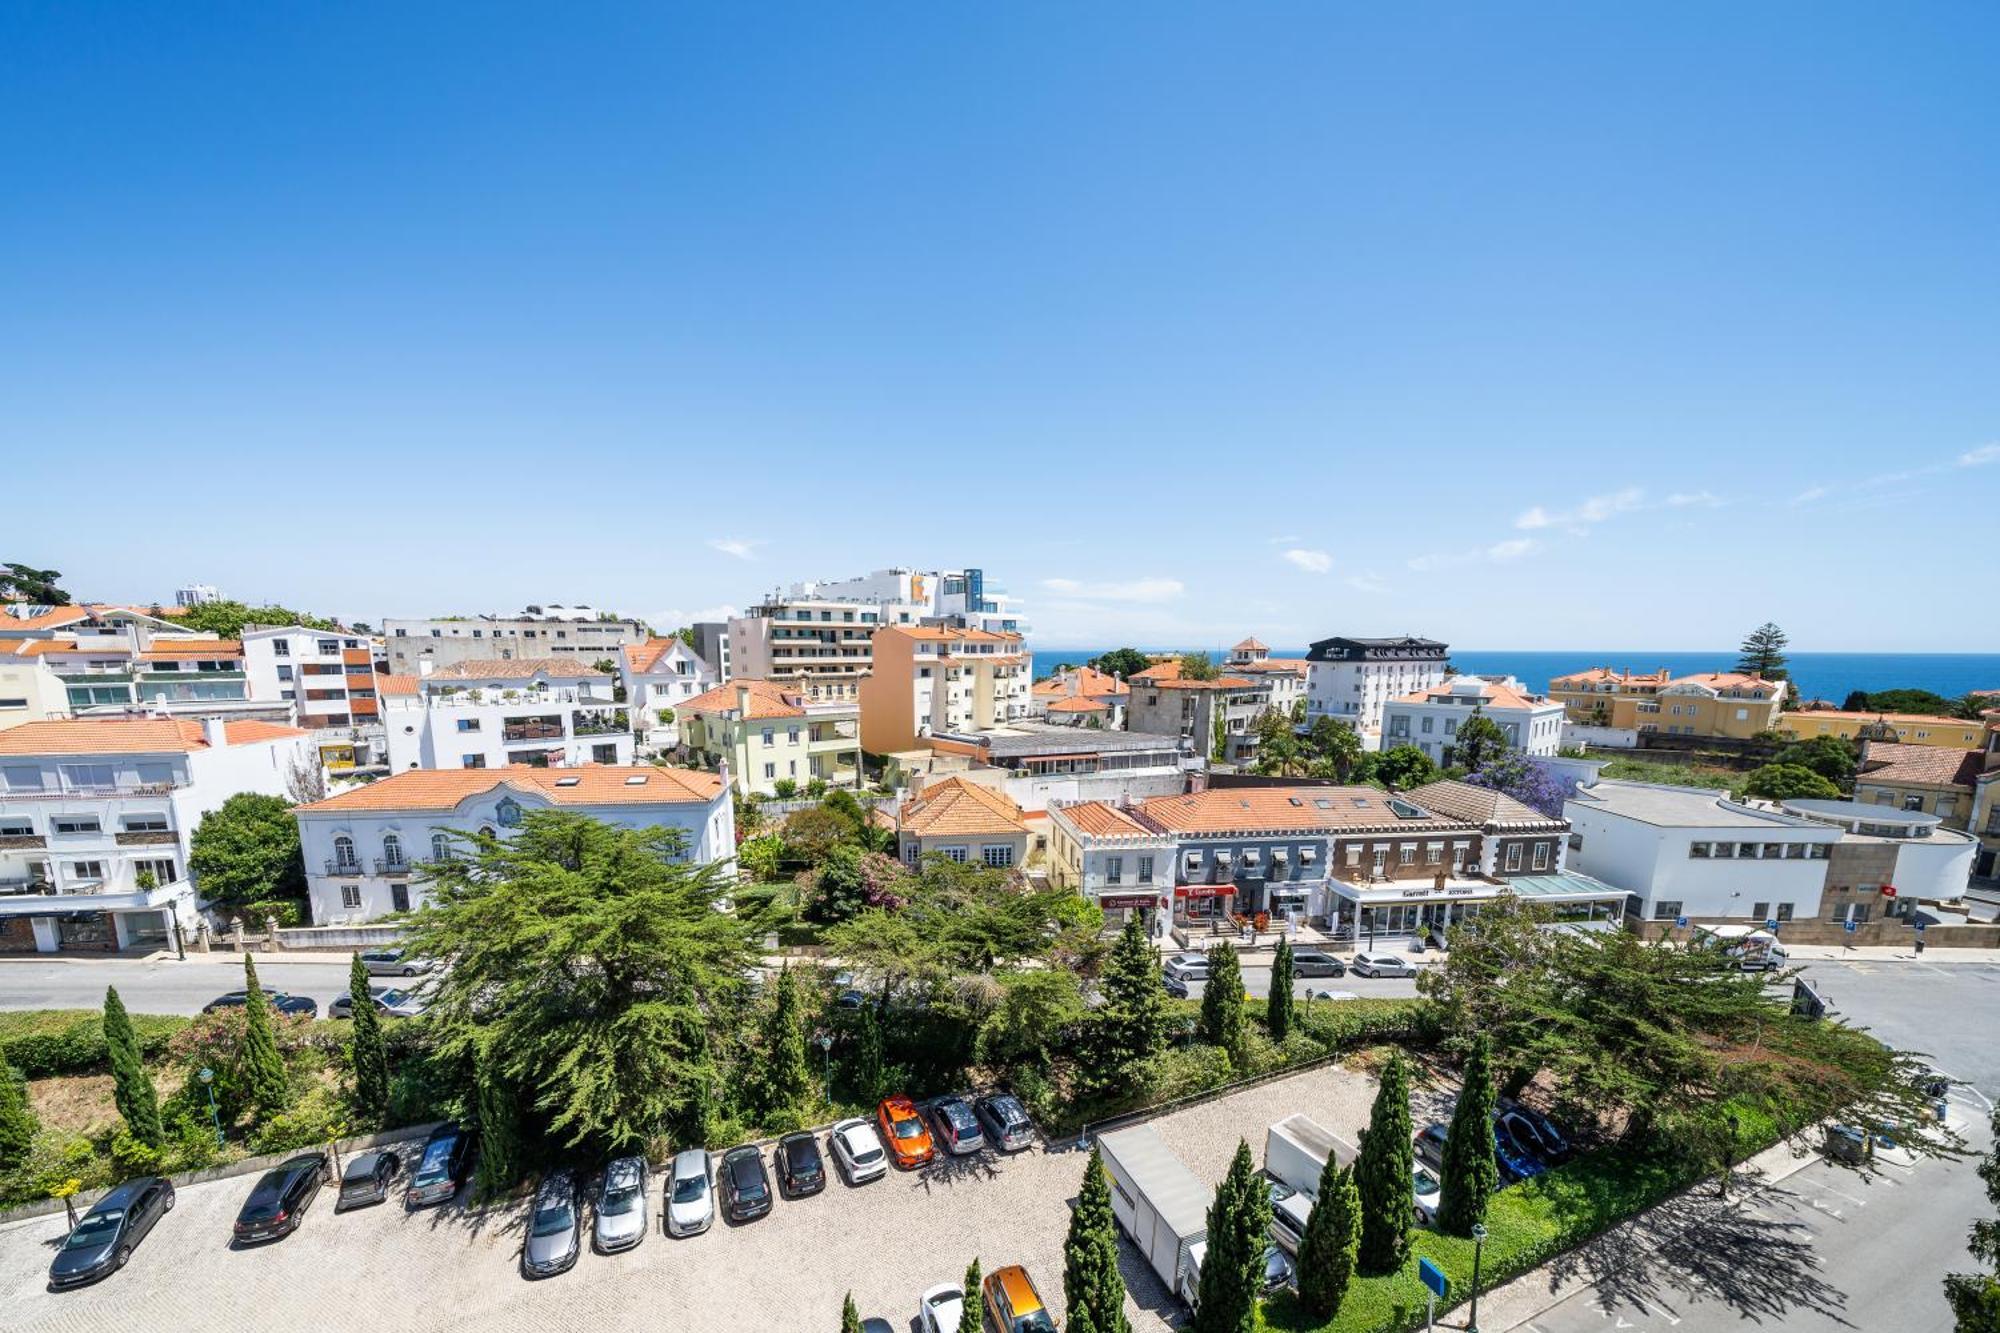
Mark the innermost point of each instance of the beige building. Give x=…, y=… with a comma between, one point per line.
x=963, y=821
x=1287, y=676
x=1732, y=704
x=29, y=691
x=1165, y=702
x=1951, y=733
x=769, y=732
x=929, y=679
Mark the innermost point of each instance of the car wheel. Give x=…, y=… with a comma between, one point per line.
x=168, y=1207
x=124, y=1255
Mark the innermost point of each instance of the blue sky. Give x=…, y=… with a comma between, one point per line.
x=1565, y=326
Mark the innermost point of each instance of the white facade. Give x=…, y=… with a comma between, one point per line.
x=536, y=719
x=1350, y=680
x=576, y=632
x=661, y=674
x=1429, y=718
x=1685, y=851
x=29, y=691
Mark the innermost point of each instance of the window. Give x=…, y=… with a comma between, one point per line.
x=77, y=824
x=770, y=770
x=1725, y=851
x=17, y=828
x=1746, y=851
x=327, y=646
x=1145, y=870
x=1407, y=854
x=998, y=857
x=1697, y=851
x=440, y=847
x=1428, y=725
x=279, y=648
x=22, y=778
x=1784, y=912
x=350, y=897
x=770, y=737
x=1433, y=853
x=89, y=775
x=164, y=870
x=1541, y=856
x=1913, y=802
x=1667, y=909
x=1947, y=806
x=343, y=852
x=472, y=761
x=604, y=754
x=1820, y=850
x=1114, y=869
x=954, y=853
x=392, y=851
x=86, y=869
x=1513, y=856
x=1760, y=911
x=144, y=823
x=468, y=723
x=284, y=673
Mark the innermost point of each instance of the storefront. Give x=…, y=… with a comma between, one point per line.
x=1203, y=903
x=1388, y=913
x=1120, y=907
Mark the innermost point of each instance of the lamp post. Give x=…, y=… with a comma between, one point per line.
x=1478, y=1246
x=207, y=1077
x=826, y=1065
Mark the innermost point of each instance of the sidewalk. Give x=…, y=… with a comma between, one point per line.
x=168, y=956
x=1835, y=953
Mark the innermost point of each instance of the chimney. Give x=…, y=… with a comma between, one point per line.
x=215, y=731
x=743, y=700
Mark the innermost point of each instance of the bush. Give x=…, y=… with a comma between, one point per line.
x=318, y=1118
x=134, y=1158
x=289, y=911
x=45, y=1043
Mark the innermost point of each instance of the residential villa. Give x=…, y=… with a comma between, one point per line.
x=1430, y=718
x=659, y=675
x=771, y=731
x=1166, y=702
x=962, y=820
x=1080, y=696
x=1729, y=704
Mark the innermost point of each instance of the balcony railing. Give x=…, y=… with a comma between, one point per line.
x=600, y=724
x=144, y=838
x=392, y=869
x=69, y=793
x=531, y=731
x=26, y=884
x=343, y=869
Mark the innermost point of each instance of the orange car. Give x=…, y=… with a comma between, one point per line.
x=903, y=1130
x=1012, y=1303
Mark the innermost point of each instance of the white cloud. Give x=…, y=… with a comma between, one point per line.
x=1984, y=454
x=1499, y=552
x=1368, y=583
x=1689, y=499
x=1808, y=495
x=742, y=548
x=672, y=619
x=1312, y=562
x=1147, y=590
x=1594, y=510
x=1280, y=541
x=1509, y=550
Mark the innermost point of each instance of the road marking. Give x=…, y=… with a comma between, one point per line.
x=1858, y=1203
x=1833, y=1213
x=1672, y=1322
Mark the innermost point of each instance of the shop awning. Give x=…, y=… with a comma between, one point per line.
x=1205, y=891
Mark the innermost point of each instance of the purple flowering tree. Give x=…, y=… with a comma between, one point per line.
x=1532, y=784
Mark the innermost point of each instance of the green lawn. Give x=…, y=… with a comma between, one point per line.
x=1674, y=775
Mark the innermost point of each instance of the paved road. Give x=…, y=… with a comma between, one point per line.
x=1257, y=984
x=169, y=987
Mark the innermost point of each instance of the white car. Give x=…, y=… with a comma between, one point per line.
x=858, y=1150
x=1187, y=967
x=1318, y=994
x=1382, y=965
x=1428, y=1191
x=394, y=963
x=940, y=1308
x=690, y=1194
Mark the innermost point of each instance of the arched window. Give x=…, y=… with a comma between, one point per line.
x=343, y=852
x=440, y=847
x=486, y=831
x=392, y=850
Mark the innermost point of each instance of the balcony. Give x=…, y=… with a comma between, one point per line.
x=539, y=729
x=343, y=869
x=145, y=838
x=396, y=869
x=94, y=793
x=25, y=884
x=22, y=841
x=601, y=724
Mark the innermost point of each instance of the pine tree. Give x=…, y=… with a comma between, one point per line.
x=1133, y=1026
x=1222, y=1001
x=1327, y=1250
x=1092, y=1289
x=968, y=1315
x=1382, y=1175
x=131, y=1085
x=1470, y=1172
x=786, y=1077
x=1279, y=1008
x=1764, y=652
x=365, y=1048
x=17, y=1122
x=262, y=1068
x=850, y=1318
x=500, y=1150
x=1232, y=1272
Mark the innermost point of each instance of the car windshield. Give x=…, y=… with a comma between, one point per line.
x=1038, y=1322
x=619, y=1201
x=392, y=997
x=864, y=1152
x=552, y=1219
x=1424, y=1182
x=803, y=1155
x=437, y=1159
x=95, y=1230
x=906, y=1129
x=690, y=1189
x=263, y=1204
x=1280, y=1191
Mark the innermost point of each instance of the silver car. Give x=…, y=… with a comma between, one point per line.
x=554, y=1227
x=690, y=1194
x=394, y=963
x=621, y=1206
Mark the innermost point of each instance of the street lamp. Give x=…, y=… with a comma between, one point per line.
x=1478, y=1246
x=207, y=1077
x=826, y=1064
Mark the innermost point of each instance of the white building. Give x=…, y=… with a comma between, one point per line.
x=89, y=807
x=366, y=849
x=1429, y=718
x=1890, y=861
x=659, y=676
x=913, y=596
x=197, y=594
x=1686, y=851
x=29, y=690
x=1350, y=680
x=542, y=712
x=570, y=632
x=1287, y=676
x=328, y=679
x=1125, y=866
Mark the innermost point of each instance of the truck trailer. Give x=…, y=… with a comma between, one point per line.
x=1159, y=1204
x=1296, y=1150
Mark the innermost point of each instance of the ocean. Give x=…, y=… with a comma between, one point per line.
x=1818, y=675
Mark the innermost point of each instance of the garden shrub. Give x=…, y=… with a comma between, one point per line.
x=45, y=1043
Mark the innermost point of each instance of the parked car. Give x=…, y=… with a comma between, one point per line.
x=367, y=1178
x=1321, y=993
x=619, y=1217
x=1187, y=966
x=690, y=1195
x=1429, y=1192
x=801, y=1168
x=874, y=1325
x=1313, y=963
x=958, y=1128
x=903, y=1130
x=555, y=1227
x=1537, y=1133
x=280, y=1002
x=1174, y=985
x=1516, y=1163
x=1845, y=1143
x=1012, y=1303
x=1371, y=964
x=103, y=1241
x=394, y=963
x=1428, y=1147
x=446, y=1164
x=858, y=1150
x=394, y=1003
x=744, y=1184
x=1006, y=1121
x=279, y=1199
x=940, y=1308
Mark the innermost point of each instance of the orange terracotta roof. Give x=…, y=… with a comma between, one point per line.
x=586, y=784
x=948, y=634
x=1274, y=666
x=1269, y=809
x=1219, y=683
x=1083, y=680
x=768, y=698
x=1602, y=675
x=143, y=735
x=167, y=650
x=1078, y=704
x=57, y=617
x=516, y=668
x=1494, y=693
x=1101, y=819
x=1923, y=765
x=385, y=683
x=43, y=647
x=1893, y=719
x=1158, y=672
x=955, y=806
x=643, y=657
x=1250, y=646
x=1727, y=680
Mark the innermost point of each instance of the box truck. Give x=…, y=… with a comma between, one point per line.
x=1296, y=1150
x=1159, y=1204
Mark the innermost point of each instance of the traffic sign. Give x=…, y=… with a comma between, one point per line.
x=1680, y=923
x=1920, y=927
x=1850, y=925
x=1770, y=923
x=1434, y=1278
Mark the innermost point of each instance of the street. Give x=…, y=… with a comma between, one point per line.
x=165, y=987
x=1257, y=985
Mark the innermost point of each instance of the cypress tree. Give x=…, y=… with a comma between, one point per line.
x=850, y=1318
x=868, y=1055
x=263, y=1069
x=370, y=1057
x=1382, y=1175
x=1470, y=1172
x=1134, y=1025
x=1092, y=1289
x=1326, y=1251
x=500, y=1150
x=787, y=1078
x=1278, y=1009
x=969, y=1320
x=1222, y=1001
x=17, y=1122
x=131, y=1085
x=1232, y=1272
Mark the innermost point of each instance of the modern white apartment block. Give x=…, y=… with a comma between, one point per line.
x=912, y=597
x=96, y=818
x=1429, y=718
x=931, y=679
x=539, y=632
x=328, y=679
x=139, y=668
x=1350, y=680
x=197, y=594
x=367, y=849
x=540, y=712
x=822, y=646
x=659, y=676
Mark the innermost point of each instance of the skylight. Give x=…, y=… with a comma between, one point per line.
x=568, y=782
x=637, y=780
x=1325, y=804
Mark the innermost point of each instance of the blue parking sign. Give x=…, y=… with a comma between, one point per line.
x=1920, y=927
x=1434, y=1278
x=1680, y=923
x=1850, y=926
x=1770, y=923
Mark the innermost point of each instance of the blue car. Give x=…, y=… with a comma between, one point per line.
x=1515, y=1163
x=1537, y=1134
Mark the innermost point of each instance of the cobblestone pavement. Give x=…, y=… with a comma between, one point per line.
x=451, y=1269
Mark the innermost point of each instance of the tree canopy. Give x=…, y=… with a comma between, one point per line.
x=1532, y=783
x=1763, y=651
x=1199, y=666
x=1479, y=742
x=1975, y=1297
x=1121, y=662
x=1405, y=767
x=247, y=850
x=227, y=619
x=1829, y=756
x=1788, y=782
x=36, y=587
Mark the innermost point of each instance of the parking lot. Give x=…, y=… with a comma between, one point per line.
x=449, y=1268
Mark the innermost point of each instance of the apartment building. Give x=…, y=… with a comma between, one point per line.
x=1925, y=779
x=1350, y=680
x=29, y=691
x=541, y=712
x=768, y=731
x=1040, y=765
x=328, y=679
x=1081, y=696
x=961, y=596
x=96, y=818
x=931, y=679
x=1950, y=733
x=367, y=850
x=140, y=670
x=1608, y=697
x=538, y=632
x=1104, y=853
x=962, y=820
x=1985, y=822
x=822, y=646
x=1166, y=702
x=1288, y=675
x=659, y=676
x=711, y=645
x=1730, y=704
x=1430, y=718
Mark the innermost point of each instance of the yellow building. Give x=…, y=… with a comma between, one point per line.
x=1734, y=704
x=1602, y=697
x=1904, y=728
x=769, y=732
x=931, y=679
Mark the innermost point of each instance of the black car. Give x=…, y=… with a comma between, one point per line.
x=1537, y=1133
x=278, y=1000
x=1175, y=986
x=278, y=1202
x=1006, y=1121
x=554, y=1228
x=1312, y=963
x=745, y=1187
x=110, y=1231
x=446, y=1164
x=367, y=1179
x=801, y=1167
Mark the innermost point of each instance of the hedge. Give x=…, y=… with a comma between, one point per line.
x=43, y=1043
